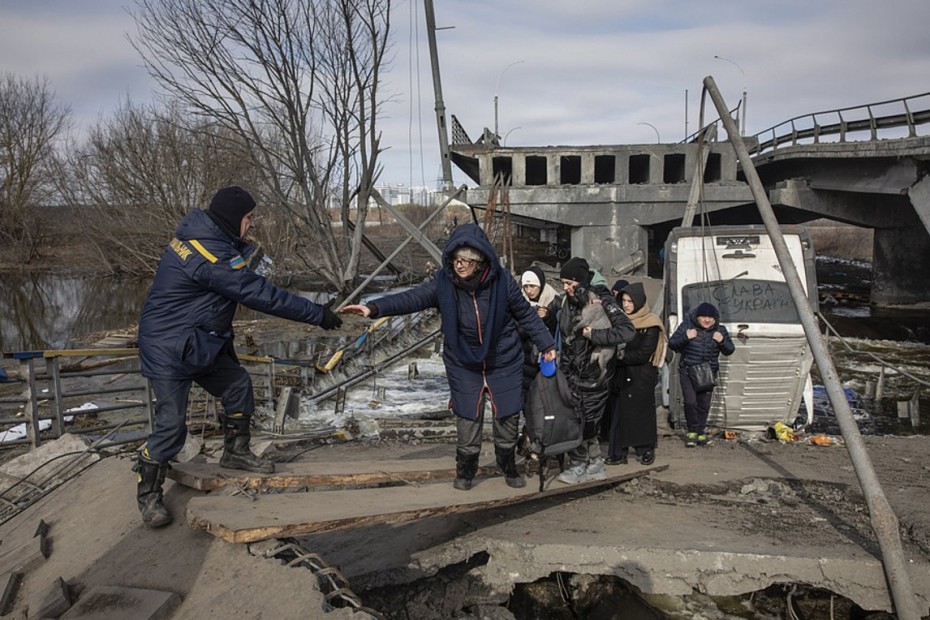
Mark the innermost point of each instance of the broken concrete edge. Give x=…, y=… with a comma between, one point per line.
x=52, y=602
x=32, y=465
x=669, y=571
x=24, y=557
x=120, y=601
x=9, y=585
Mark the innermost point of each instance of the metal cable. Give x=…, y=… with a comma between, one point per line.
x=333, y=584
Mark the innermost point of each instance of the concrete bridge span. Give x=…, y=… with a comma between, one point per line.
x=616, y=200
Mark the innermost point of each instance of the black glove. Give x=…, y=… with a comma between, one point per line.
x=330, y=319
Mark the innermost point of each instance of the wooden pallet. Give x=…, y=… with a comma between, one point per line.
x=242, y=518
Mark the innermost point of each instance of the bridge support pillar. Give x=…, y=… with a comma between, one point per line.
x=899, y=266
x=919, y=194
x=611, y=248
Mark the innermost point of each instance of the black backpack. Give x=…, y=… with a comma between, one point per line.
x=554, y=424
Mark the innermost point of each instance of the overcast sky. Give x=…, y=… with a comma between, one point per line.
x=569, y=73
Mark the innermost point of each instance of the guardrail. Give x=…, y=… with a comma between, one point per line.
x=871, y=118
x=53, y=394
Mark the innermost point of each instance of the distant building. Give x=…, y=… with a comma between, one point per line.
x=403, y=195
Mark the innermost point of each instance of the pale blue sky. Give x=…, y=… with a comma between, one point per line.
x=593, y=71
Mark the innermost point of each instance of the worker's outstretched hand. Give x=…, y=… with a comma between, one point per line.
x=330, y=319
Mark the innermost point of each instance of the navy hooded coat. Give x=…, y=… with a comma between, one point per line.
x=482, y=350
x=187, y=317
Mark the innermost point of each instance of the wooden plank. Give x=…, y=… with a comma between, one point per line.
x=313, y=476
x=240, y=519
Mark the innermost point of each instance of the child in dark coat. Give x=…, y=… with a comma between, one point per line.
x=699, y=338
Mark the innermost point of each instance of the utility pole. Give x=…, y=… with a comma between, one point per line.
x=884, y=523
x=437, y=91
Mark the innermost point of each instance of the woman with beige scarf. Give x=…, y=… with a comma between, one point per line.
x=633, y=419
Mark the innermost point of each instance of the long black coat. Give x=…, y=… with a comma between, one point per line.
x=634, y=390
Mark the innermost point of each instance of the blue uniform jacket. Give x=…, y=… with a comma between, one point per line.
x=468, y=330
x=703, y=348
x=187, y=317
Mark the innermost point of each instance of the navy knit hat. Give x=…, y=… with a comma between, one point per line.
x=576, y=269
x=229, y=206
x=707, y=309
x=619, y=285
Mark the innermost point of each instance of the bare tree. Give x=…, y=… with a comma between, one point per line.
x=140, y=172
x=297, y=81
x=30, y=122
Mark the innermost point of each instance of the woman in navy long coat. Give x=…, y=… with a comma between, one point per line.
x=480, y=305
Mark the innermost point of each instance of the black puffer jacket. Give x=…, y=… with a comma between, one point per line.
x=579, y=357
x=703, y=348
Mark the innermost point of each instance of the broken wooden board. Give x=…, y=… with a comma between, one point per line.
x=210, y=476
x=242, y=519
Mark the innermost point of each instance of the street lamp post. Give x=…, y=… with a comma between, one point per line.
x=743, y=111
x=497, y=86
x=658, y=137
x=506, y=135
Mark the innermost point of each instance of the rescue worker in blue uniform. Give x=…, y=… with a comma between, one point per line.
x=186, y=336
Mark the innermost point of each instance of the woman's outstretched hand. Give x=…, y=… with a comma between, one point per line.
x=359, y=309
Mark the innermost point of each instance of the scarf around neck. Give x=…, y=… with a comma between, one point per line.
x=644, y=319
x=491, y=325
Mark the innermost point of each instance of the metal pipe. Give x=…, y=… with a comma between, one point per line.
x=883, y=519
x=399, y=249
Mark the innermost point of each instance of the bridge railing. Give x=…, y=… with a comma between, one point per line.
x=895, y=118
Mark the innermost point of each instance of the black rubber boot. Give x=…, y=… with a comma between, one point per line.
x=149, y=493
x=236, y=452
x=507, y=461
x=466, y=466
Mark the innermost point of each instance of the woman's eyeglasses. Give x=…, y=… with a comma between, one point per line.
x=464, y=262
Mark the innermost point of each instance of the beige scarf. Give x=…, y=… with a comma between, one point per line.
x=643, y=319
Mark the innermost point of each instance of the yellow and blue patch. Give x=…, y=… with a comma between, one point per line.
x=237, y=263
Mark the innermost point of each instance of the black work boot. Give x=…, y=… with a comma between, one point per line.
x=466, y=466
x=507, y=461
x=149, y=493
x=236, y=452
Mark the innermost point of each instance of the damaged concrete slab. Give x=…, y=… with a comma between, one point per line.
x=726, y=519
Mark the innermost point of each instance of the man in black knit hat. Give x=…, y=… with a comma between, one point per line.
x=591, y=325
x=186, y=336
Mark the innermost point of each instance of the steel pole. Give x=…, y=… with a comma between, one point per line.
x=437, y=91
x=884, y=522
